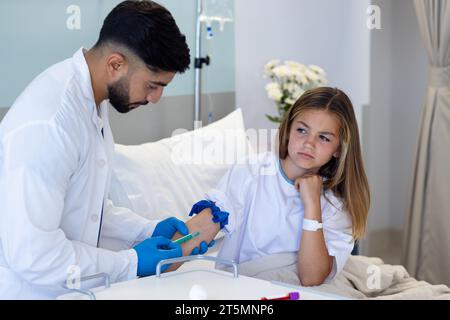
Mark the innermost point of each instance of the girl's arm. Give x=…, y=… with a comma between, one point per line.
x=203, y=223
x=314, y=263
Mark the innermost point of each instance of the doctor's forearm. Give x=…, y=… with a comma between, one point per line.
x=314, y=263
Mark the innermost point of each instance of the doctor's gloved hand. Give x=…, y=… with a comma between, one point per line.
x=153, y=250
x=168, y=227
x=202, y=248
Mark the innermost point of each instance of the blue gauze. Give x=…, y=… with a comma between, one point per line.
x=218, y=215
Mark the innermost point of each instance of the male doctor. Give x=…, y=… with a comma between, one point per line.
x=56, y=155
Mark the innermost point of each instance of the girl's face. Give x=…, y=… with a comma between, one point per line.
x=313, y=140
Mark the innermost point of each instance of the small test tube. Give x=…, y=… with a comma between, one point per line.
x=289, y=296
x=186, y=237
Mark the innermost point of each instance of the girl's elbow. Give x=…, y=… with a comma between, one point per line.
x=311, y=281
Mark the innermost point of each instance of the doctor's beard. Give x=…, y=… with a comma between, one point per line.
x=119, y=96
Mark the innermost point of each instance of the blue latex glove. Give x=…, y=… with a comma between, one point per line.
x=203, y=248
x=168, y=227
x=218, y=215
x=153, y=250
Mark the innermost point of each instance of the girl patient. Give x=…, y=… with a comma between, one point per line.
x=312, y=197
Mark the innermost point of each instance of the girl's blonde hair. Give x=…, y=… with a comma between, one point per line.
x=346, y=176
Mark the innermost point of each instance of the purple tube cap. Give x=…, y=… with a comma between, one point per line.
x=294, y=296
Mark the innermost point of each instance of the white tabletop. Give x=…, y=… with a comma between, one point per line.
x=217, y=284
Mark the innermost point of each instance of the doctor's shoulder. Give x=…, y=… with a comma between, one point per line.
x=41, y=100
x=40, y=109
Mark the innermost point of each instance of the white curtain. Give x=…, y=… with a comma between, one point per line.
x=427, y=236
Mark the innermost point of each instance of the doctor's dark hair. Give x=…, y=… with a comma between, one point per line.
x=149, y=31
x=346, y=176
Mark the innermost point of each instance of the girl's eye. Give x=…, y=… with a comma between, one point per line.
x=301, y=130
x=325, y=139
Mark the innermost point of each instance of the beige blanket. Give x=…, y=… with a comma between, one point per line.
x=362, y=278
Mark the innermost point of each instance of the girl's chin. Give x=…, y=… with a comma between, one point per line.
x=305, y=167
x=304, y=164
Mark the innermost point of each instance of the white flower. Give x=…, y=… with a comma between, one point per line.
x=272, y=63
x=298, y=93
x=290, y=100
x=323, y=80
x=301, y=79
x=281, y=71
x=292, y=87
x=294, y=65
x=269, y=66
x=312, y=76
x=317, y=69
x=272, y=86
x=289, y=81
x=274, y=91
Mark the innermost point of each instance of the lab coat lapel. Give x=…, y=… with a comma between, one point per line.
x=101, y=144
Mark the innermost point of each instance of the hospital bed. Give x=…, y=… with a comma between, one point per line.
x=164, y=178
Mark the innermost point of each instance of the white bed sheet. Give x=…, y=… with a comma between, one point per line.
x=362, y=278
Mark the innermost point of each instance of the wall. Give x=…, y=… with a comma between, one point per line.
x=154, y=122
x=321, y=32
x=378, y=133
x=34, y=35
x=397, y=91
x=408, y=83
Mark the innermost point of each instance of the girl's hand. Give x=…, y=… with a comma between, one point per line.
x=310, y=188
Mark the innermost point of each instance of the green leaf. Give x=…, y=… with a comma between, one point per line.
x=274, y=119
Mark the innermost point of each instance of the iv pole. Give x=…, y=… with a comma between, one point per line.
x=199, y=61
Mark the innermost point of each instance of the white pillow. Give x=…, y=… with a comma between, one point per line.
x=165, y=178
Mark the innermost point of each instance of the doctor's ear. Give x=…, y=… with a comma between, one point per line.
x=116, y=65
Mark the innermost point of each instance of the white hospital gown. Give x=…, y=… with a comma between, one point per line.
x=266, y=214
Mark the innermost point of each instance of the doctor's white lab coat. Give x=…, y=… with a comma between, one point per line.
x=55, y=172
